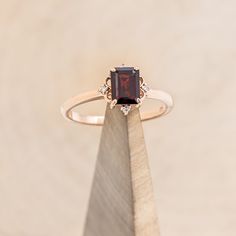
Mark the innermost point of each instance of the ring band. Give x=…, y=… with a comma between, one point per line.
x=68, y=106
x=124, y=88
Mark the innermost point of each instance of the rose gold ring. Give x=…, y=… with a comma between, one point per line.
x=124, y=88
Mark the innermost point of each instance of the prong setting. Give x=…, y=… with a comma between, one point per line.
x=113, y=103
x=139, y=102
x=124, y=88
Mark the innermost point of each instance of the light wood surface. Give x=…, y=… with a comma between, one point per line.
x=122, y=202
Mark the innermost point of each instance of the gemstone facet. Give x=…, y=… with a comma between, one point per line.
x=125, y=85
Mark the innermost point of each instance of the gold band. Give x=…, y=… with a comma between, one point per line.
x=68, y=113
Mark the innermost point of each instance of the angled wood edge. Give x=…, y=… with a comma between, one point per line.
x=121, y=201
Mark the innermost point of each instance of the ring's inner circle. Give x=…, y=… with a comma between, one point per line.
x=151, y=105
x=93, y=108
x=94, y=111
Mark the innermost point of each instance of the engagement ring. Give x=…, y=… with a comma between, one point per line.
x=124, y=88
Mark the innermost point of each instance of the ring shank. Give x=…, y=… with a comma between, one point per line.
x=67, y=108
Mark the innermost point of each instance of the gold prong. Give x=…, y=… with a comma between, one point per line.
x=113, y=103
x=108, y=82
x=141, y=81
x=140, y=102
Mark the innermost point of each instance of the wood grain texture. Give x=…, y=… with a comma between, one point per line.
x=121, y=201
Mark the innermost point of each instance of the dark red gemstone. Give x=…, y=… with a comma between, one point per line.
x=125, y=85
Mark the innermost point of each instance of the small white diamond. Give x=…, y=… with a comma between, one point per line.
x=103, y=89
x=125, y=109
x=145, y=87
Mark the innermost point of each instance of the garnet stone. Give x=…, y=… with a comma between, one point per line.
x=125, y=85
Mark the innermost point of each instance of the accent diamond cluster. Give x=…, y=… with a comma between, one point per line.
x=103, y=89
x=125, y=109
x=145, y=87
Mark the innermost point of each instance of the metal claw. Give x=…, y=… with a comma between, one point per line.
x=113, y=103
x=140, y=102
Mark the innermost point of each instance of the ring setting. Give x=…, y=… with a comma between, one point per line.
x=124, y=88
